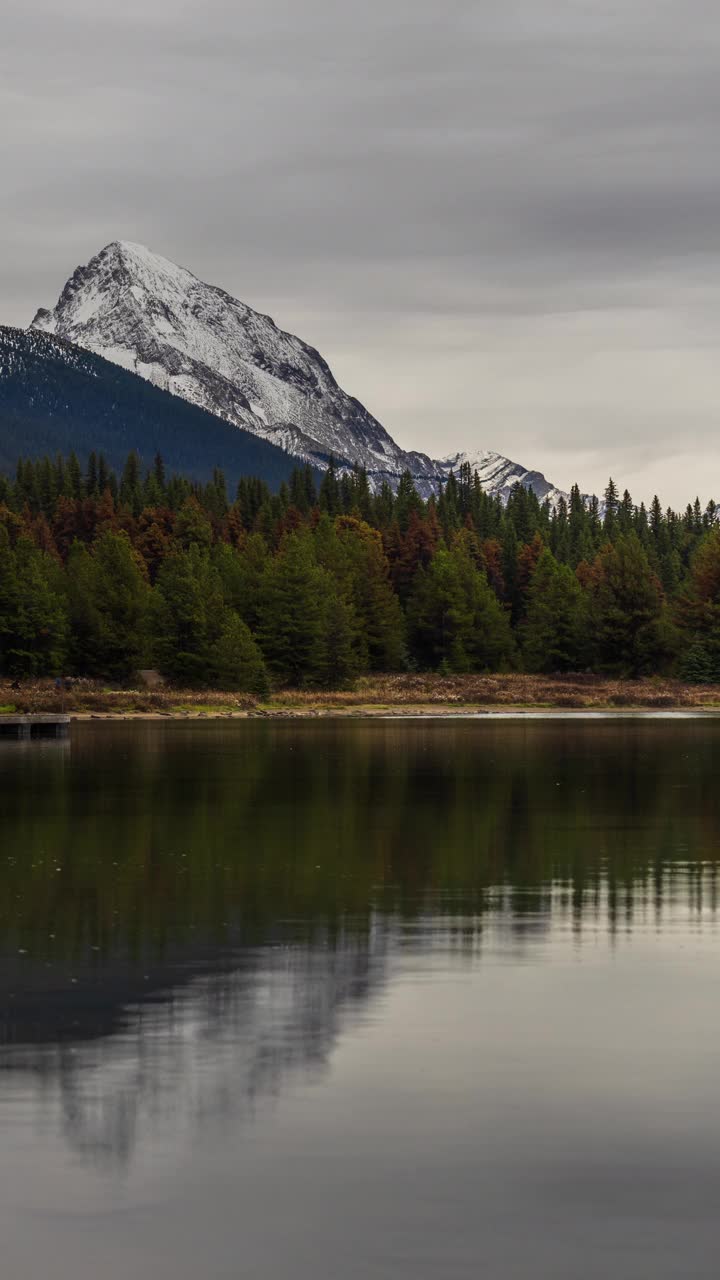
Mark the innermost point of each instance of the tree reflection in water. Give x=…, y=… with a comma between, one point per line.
x=191, y=915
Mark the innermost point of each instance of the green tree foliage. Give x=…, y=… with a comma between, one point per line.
x=630, y=627
x=363, y=574
x=455, y=620
x=291, y=611
x=235, y=661
x=699, y=603
x=338, y=657
x=105, y=573
x=700, y=664
x=554, y=633
x=33, y=613
x=186, y=616
x=698, y=612
x=193, y=526
x=108, y=598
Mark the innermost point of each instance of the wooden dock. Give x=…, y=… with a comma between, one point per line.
x=34, y=726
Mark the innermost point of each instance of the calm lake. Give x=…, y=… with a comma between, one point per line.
x=358, y=1000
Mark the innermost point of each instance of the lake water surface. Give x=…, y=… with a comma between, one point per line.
x=352, y=1000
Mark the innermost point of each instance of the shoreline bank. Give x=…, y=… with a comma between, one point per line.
x=397, y=696
x=407, y=713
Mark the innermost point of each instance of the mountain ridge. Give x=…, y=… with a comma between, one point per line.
x=143, y=312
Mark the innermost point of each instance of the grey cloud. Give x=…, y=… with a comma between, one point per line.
x=494, y=220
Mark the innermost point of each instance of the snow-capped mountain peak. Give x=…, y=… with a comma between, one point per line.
x=158, y=320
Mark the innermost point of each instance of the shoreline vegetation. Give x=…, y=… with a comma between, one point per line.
x=372, y=696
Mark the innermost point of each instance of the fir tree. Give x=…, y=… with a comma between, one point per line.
x=290, y=609
x=33, y=615
x=235, y=661
x=186, y=616
x=329, y=496
x=630, y=628
x=109, y=598
x=554, y=631
x=454, y=618
x=611, y=509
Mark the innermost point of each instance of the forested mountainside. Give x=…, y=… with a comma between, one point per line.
x=57, y=398
x=312, y=586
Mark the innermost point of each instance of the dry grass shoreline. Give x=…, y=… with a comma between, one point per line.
x=403, y=695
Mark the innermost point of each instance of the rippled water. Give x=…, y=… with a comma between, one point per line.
x=367, y=999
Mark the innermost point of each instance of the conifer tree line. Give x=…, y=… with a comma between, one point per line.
x=102, y=574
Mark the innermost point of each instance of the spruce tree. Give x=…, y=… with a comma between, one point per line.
x=293, y=591
x=363, y=575
x=33, y=613
x=455, y=621
x=554, y=633
x=631, y=630
x=130, y=484
x=329, y=497
x=611, y=509
x=109, y=599
x=335, y=661
x=186, y=616
x=235, y=661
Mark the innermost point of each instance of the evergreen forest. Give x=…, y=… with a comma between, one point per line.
x=102, y=574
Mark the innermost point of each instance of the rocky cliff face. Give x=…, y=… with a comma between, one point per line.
x=158, y=320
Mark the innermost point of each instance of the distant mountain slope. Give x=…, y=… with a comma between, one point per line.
x=55, y=397
x=149, y=315
x=500, y=475
x=157, y=319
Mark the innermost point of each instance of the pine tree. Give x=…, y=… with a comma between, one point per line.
x=192, y=526
x=293, y=591
x=130, y=484
x=625, y=513
x=106, y=478
x=554, y=633
x=186, y=616
x=698, y=605
x=407, y=500
x=235, y=661
x=336, y=662
x=74, y=479
x=159, y=473
x=454, y=619
x=109, y=599
x=91, y=482
x=33, y=614
x=580, y=537
x=363, y=574
x=700, y=664
x=302, y=492
x=631, y=630
x=510, y=569
x=329, y=497
x=611, y=509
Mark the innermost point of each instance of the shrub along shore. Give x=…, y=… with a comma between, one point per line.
x=427, y=695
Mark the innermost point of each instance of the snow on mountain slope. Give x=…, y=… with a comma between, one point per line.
x=158, y=320
x=499, y=475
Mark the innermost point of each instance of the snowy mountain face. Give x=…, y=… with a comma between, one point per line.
x=500, y=475
x=159, y=321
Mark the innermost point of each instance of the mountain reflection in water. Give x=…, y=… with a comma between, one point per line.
x=191, y=914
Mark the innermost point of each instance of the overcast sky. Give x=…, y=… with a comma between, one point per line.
x=499, y=220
